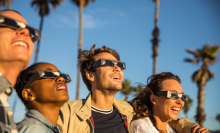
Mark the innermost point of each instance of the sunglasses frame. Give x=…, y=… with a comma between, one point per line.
x=101, y=62
x=168, y=94
x=7, y=21
x=41, y=73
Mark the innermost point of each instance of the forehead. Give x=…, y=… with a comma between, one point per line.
x=104, y=55
x=171, y=85
x=46, y=66
x=14, y=15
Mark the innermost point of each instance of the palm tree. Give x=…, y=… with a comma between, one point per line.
x=218, y=118
x=80, y=4
x=44, y=10
x=207, y=56
x=187, y=105
x=3, y=3
x=139, y=88
x=127, y=89
x=155, y=39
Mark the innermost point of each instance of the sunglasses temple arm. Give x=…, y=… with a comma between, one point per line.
x=32, y=79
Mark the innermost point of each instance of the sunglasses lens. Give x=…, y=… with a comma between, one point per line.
x=174, y=96
x=109, y=63
x=32, y=31
x=120, y=65
x=184, y=98
x=64, y=76
x=49, y=74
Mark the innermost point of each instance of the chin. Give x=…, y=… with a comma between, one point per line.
x=174, y=117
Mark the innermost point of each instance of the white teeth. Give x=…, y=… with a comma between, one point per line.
x=20, y=43
x=115, y=77
x=61, y=88
x=176, y=109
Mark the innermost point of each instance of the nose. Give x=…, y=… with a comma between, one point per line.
x=23, y=32
x=60, y=79
x=116, y=68
x=179, y=101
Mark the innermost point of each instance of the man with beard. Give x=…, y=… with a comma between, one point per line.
x=102, y=73
x=16, y=47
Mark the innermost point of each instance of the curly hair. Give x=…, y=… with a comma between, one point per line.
x=142, y=104
x=23, y=78
x=85, y=61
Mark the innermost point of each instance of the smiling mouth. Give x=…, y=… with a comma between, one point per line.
x=176, y=110
x=62, y=87
x=116, y=77
x=20, y=44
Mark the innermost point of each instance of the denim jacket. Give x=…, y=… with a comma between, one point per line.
x=35, y=122
x=7, y=123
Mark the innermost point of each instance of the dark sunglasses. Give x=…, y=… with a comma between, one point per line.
x=15, y=24
x=173, y=95
x=47, y=74
x=107, y=62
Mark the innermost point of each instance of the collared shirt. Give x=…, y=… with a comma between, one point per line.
x=4, y=83
x=35, y=122
x=7, y=123
x=76, y=116
x=145, y=126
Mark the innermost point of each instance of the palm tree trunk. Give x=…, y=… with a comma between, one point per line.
x=8, y=4
x=155, y=51
x=38, y=43
x=79, y=46
x=155, y=39
x=15, y=102
x=126, y=97
x=200, y=116
x=156, y=13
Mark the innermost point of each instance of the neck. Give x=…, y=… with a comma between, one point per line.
x=161, y=124
x=101, y=100
x=11, y=70
x=49, y=111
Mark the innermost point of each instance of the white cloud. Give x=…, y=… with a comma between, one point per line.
x=91, y=19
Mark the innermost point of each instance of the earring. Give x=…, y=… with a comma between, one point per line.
x=30, y=98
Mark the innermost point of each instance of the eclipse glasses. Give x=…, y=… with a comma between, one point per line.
x=15, y=24
x=173, y=95
x=47, y=74
x=107, y=62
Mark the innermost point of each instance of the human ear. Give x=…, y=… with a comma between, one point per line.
x=28, y=95
x=153, y=99
x=90, y=76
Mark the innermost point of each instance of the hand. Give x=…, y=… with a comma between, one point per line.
x=198, y=129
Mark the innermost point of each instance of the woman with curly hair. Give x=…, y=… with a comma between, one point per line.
x=42, y=88
x=160, y=101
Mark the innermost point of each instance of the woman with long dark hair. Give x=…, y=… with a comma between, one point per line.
x=160, y=102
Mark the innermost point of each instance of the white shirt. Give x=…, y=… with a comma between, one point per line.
x=144, y=125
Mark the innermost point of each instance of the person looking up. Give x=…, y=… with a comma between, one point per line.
x=43, y=90
x=16, y=47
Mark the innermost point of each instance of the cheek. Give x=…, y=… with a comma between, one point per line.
x=42, y=88
x=31, y=47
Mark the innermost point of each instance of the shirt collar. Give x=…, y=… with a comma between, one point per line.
x=37, y=115
x=4, y=83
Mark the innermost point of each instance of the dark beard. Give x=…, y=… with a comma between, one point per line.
x=109, y=90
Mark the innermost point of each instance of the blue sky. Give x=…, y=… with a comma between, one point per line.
x=126, y=26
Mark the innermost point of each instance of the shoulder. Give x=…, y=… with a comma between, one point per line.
x=72, y=105
x=143, y=125
x=30, y=125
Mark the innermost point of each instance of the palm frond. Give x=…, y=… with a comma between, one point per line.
x=191, y=60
